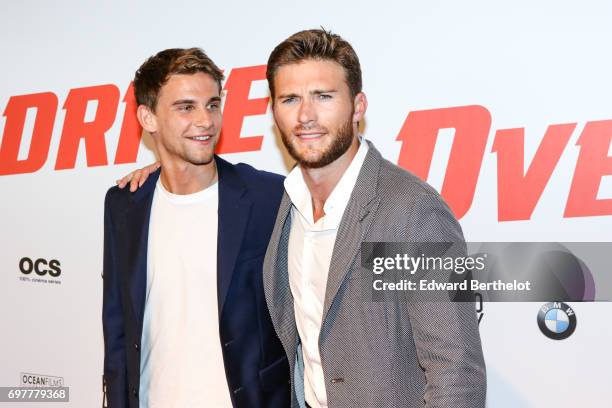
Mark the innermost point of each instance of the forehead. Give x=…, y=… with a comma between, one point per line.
x=310, y=74
x=200, y=84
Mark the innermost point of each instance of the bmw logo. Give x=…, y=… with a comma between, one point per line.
x=557, y=320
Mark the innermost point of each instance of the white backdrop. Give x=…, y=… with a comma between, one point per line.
x=528, y=64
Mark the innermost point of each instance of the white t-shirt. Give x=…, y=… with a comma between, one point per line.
x=181, y=361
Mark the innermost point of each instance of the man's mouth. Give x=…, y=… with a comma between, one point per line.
x=200, y=138
x=310, y=135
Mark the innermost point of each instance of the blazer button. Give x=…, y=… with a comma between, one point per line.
x=136, y=347
x=336, y=380
x=134, y=392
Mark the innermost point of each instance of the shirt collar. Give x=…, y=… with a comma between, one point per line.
x=336, y=203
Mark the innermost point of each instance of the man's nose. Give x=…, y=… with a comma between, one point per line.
x=203, y=118
x=307, y=112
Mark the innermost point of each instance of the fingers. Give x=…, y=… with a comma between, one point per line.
x=122, y=182
x=138, y=177
x=135, y=182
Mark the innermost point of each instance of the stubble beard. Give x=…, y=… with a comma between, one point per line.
x=341, y=143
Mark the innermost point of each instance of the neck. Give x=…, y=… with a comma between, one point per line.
x=322, y=181
x=187, y=178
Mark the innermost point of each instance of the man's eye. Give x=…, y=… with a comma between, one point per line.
x=324, y=97
x=288, y=100
x=213, y=106
x=186, y=108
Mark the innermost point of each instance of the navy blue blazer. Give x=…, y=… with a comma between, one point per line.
x=255, y=364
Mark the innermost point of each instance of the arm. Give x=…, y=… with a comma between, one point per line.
x=115, y=363
x=446, y=333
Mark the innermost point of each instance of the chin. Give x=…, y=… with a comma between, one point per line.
x=201, y=161
x=311, y=161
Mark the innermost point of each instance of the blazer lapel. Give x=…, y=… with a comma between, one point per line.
x=355, y=223
x=234, y=211
x=136, y=235
x=276, y=279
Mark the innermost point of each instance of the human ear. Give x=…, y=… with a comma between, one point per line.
x=146, y=118
x=360, y=105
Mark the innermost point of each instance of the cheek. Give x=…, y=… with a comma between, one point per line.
x=281, y=117
x=338, y=117
x=285, y=124
x=218, y=119
x=176, y=127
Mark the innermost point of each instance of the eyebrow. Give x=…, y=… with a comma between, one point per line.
x=319, y=92
x=183, y=102
x=283, y=96
x=193, y=102
x=315, y=92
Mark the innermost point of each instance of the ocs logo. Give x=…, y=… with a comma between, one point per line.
x=557, y=320
x=40, y=266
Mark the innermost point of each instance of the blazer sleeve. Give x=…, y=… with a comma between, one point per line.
x=115, y=363
x=446, y=333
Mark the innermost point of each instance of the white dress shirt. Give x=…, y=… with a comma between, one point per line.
x=310, y=250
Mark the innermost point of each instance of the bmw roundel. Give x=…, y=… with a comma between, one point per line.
x=557, y=320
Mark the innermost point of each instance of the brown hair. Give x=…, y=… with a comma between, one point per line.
x=317, y=44
x=156, y=70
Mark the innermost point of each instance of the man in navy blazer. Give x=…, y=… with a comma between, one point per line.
x=178, y=93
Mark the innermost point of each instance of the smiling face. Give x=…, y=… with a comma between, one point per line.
x=314, y=111
x=187, y=120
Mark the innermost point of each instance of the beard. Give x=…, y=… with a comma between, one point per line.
x=341, y=142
